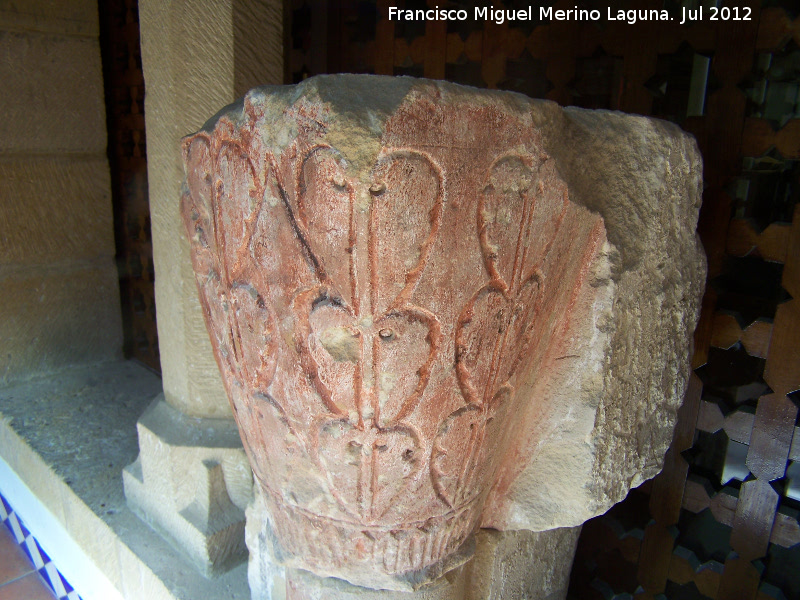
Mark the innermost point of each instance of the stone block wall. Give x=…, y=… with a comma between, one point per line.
x=59, y=296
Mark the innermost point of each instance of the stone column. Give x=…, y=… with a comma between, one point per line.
x=440, y=311
x=191, y=480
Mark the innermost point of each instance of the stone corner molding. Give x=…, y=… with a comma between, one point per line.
x=437, y=308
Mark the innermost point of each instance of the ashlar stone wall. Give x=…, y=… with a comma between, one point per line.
x=59, y=296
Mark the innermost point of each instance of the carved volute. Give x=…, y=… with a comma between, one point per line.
x=406, y=302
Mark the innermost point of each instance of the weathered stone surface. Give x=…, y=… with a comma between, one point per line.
x=171, y=36
x=58, y=316
x=436, y=308
x=196, y=57
x=191, y=482
x=534, y=565
x=52, y=97
x=77, y=17
x=59, y=291
x=506, y=564
x=55, y=209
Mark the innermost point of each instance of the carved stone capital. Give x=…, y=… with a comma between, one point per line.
x=427, y=303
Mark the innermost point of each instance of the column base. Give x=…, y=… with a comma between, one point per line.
x=191, y=483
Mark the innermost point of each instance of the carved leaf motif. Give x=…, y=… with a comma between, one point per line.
x=406, y=210
x=518, y=219
x=335, y=344
x=237, y=200
x=254, y=338
x=324, y=212
x=197, y=208
x=493, y=332
x=395, y=341
x=216, y=305
x=220, y=209
x=517, y=223
x=494, y=325
x=461, y=458
x=369, y=468
x=370, y=367
x=456, y=450
x=268, y=437
x=404, y=350
x=503, y=213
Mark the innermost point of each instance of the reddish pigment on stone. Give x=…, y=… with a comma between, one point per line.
x=386, y=299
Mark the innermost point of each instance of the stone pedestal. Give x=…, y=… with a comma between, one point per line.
x=191, y=482
x=439, y=310
x=196, y=56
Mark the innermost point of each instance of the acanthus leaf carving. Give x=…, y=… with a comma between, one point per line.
x=382, y=315
x=367, y=349
x=369, y=339
x=495, y=327
x=243, y=324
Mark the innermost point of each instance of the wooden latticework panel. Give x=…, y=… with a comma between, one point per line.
x=124, y=85
x=721, y=520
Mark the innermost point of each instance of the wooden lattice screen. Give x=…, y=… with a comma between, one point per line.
x=721, y=520
x=124, y=88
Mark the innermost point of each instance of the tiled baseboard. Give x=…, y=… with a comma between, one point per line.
x=38, y=557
